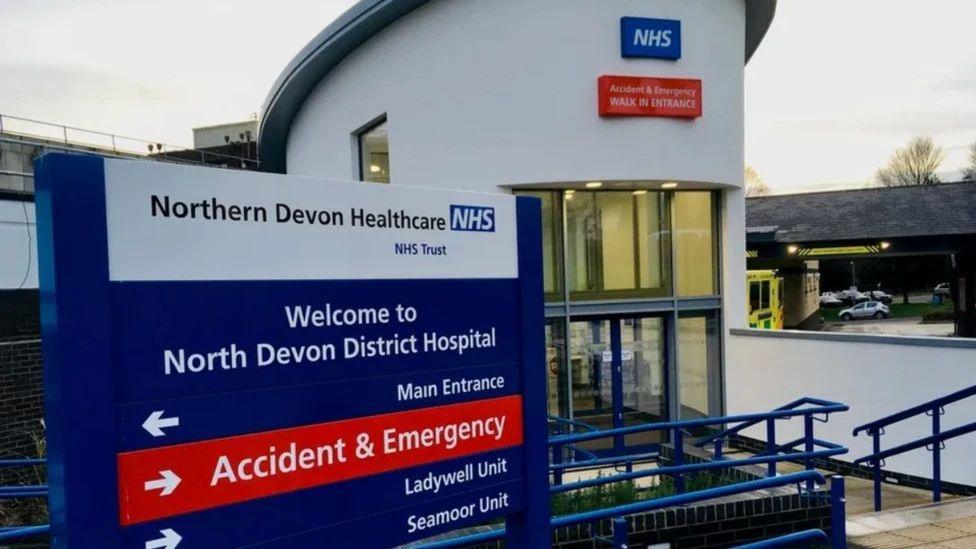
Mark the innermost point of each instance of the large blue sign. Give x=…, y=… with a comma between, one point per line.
x=653, y=38
x=246, y=360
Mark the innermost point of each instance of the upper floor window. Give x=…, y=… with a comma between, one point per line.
x=374, y=153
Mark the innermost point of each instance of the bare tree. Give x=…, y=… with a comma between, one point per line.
x=755, y=186
x=915, y=164
x=969, y=172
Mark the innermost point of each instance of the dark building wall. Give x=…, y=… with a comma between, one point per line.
x=21, y=388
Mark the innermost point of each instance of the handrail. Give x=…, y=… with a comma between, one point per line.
x=22, y=532
x=933, y=408
x=920, y=443
x=642, y=506
x=22, y=462
x=788, y=540
x=612, y=460
x=573, y=423
x=701, y=422
x=732, y=430
x=62, y=137
x=916, y=410
x=692, y=468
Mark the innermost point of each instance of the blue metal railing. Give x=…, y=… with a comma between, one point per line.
x=13, y=533
x=935, y=442
x=807, y=408
x=678, y=429
x=614, y=513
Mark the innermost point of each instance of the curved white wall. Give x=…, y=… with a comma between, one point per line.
x=481, y=94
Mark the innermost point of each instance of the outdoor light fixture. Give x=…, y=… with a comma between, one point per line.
x=669, y=186
x=640, y=192
x=792, y=249
x=885, y=245
x=374, y=168
x=594, y=184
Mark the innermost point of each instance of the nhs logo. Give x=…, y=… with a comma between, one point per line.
x=654, y=38
x=472, y=218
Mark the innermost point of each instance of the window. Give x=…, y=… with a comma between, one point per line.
x=764, y=291
x=695, y=244
x=617, y=244
x=374, y=153
x=552, y=239
x=755, y=301
x=699, y=365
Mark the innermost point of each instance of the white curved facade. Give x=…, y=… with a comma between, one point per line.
x=502, y=95
x=482, y=94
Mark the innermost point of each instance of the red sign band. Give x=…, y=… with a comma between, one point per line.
x=650, y=96
x=174, y=480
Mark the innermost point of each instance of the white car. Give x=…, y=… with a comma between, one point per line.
x=852, y=297
x=878, y=295
x=868, y=309
x=828, y=299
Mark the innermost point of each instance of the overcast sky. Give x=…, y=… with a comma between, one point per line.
x=834, y=89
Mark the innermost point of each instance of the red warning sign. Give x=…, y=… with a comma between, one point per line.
x=650, y=96
x=173, y=480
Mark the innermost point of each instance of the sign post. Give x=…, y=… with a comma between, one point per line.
x=236, y=359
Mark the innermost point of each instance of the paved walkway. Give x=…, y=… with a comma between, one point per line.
x=892, y=326
x=943, y=525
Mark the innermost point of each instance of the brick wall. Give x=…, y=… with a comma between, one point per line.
x=21, y=398
x=21, y=395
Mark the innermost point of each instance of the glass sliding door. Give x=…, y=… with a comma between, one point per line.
x=643, y=376
x=590, y=360
x=619, y=376
x=699, y=365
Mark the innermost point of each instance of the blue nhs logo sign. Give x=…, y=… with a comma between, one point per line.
x=472, y=218
x=655, y=38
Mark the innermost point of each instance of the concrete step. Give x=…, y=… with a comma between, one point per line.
x=941, y=525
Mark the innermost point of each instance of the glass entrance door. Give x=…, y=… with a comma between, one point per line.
x=618, y=372
x=644, y=379
x=591, y=367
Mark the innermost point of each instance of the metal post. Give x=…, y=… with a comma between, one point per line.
x=936, y=458
x=718, y=449
x=808, y=447
x=617, y=382
x=771, y=446
x=679, y=460
x=64, y=129
x=876, y=467
x=531, y=527
x=619, y=533
x=838, y=513
x=557, y=459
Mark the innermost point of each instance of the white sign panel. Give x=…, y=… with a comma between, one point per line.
x=170, y=222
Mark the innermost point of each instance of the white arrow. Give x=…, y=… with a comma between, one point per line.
x=155, y=423
x=169, y=540
x=167, y=484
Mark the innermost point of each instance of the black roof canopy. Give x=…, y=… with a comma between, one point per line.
x=864, y=214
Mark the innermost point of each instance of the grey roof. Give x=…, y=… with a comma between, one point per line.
x=876, y=213
x=360, y=23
